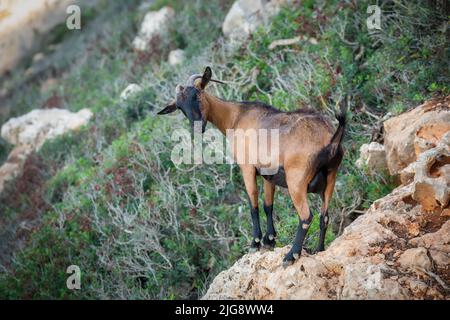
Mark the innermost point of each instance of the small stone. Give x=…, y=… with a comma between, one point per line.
x=387, y=250
x=155, y=24
x=402, y=280
x=417, y=287
x=176, y=57
x=38, y=57
x=245, y=16
x=415, y=258
x=413, y=229
x=130, y=90
x=313, y=41
x=373, y=157
x=442, y=259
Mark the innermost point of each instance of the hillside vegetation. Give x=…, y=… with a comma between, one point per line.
x=109, y=199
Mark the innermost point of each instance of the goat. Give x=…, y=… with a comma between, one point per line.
x=309, y=155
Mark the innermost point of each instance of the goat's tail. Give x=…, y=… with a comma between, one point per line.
x=336, y=140
x=331, y=155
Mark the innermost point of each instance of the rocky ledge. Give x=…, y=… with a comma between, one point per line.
x=399, y=249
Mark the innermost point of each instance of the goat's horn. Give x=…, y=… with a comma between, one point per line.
x=218, y=81
x=196, y=76
x=192, y=79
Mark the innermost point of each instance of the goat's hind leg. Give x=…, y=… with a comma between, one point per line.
x=298, y=192
x=324, y=219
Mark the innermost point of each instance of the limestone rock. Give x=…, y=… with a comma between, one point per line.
x=130, y=90
x=430, y=176
x=39, y=125
x=245, y=16
x=427, y=120
x=360, y=264
x=373, y=157
x=415, y=258
x=428, y=136
x=440, y=258
x=176, y=57
x=439, y=240
x=30, y=131
x=13, y=165
x=155, y=23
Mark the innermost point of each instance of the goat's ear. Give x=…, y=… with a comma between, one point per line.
x=169, y=109
x=206, y=77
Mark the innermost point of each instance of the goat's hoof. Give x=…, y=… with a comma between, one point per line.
x=290, y=258
x=255, y=245
x=269, y=242
x=287, y=263
x=314, y=251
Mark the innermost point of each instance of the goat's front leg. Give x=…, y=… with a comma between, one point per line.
x=269, y=237
x=249, y=175
x=298, y=192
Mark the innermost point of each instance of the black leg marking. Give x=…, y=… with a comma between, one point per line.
x=269, y=237
x=257, y=234
x=323, y=231
x=297, y=246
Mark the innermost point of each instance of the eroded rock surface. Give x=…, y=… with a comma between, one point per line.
x=384, y=254
x=414, y=131
x=430, y=176
x=29, y=132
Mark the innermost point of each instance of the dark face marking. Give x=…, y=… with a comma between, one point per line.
x=188, y=101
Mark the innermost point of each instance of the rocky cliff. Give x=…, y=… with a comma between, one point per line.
x=399, y=249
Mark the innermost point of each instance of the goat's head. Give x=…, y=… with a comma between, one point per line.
x=190, y=99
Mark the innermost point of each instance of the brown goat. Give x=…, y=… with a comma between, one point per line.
x=309, y=154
